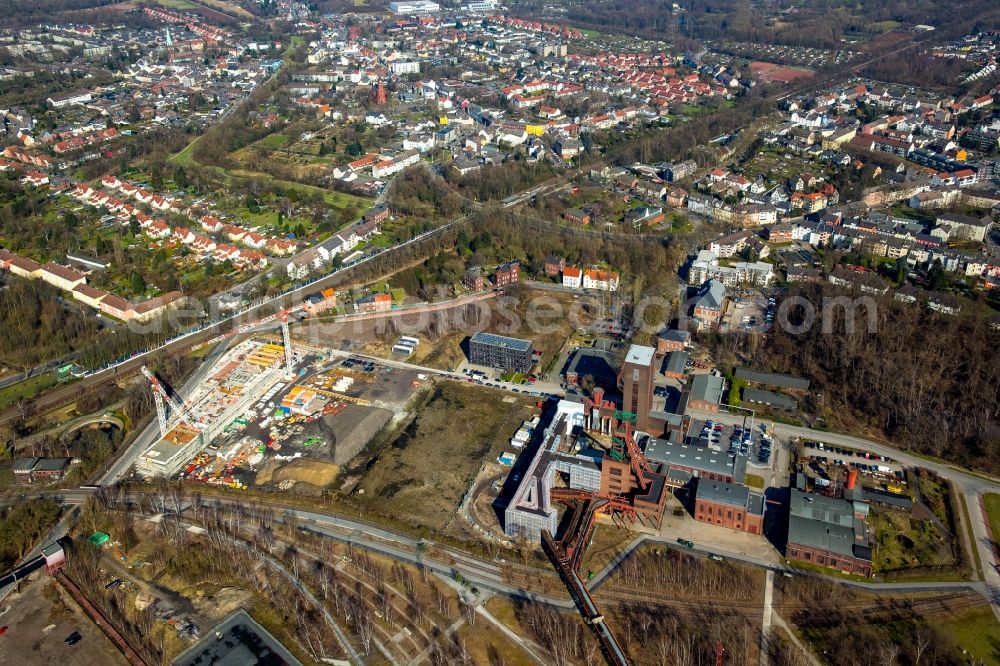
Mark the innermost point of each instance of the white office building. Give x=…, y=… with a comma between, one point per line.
x=409, y=7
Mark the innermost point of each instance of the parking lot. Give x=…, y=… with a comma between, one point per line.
x=753, y=443
x=749, y=311
x=830, y=463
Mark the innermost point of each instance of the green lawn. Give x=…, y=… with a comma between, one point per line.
x=992, y=503
x=884, y=26
x=26, y=389
x=334, y=198
x=181, y=5
x=972, y=535
x=826, y=571
x=754, y=481
x=976, y=632
x=184, y=157
x=273, y=140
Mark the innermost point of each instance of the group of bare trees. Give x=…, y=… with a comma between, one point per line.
x=852, y=630
x=685, y=575
x=219, y=555
x=564, y=635
x=685, y=635
x=930, y=381
x=138, y=627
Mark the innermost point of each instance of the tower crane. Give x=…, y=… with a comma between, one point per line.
x=286, y=339
x=162, y=398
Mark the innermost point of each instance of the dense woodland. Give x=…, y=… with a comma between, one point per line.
x=816, y=23
x=39, y=327
x=927, y=381
x=678, y=143
x=21, y=525
x=653, y=260
x=31, y=13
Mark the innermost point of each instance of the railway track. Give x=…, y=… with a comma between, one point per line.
x=877, y=609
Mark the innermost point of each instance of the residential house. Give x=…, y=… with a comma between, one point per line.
x=572, y=277
x=709, y=304
x=507, y=274
x=473, y=279
x=554, y=265
x=375, y=303
x=601, y=280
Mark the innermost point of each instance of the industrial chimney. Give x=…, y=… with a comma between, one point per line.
x=852, y=478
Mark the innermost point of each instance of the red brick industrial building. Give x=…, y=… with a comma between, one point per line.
x=729, y=505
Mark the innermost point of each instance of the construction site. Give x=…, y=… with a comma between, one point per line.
x=265, y=415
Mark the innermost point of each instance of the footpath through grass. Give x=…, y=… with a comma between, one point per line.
x=967, y=520
x=992, y=503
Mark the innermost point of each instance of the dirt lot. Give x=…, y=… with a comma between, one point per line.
x=430, y=465
x=534, y=314
x=353, y=428
x=39, y=618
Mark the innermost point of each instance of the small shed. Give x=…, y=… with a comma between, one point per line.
x=98, y=539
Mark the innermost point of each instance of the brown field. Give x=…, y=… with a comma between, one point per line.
x=424, y=473
x=40, y=617
x=227, y=7
x=772, y=73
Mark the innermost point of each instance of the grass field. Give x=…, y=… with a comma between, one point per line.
x=976, y=632
x=230, y=8
x=972, y=536
x=184, y=157
x=607, y=543
x=182, y=5
x=754, y=481
x=487, y=645
x=273, y=141
x=884, y=26
x=992, y=503
x=334, y=198
x=424, y=473
x=29, y=388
